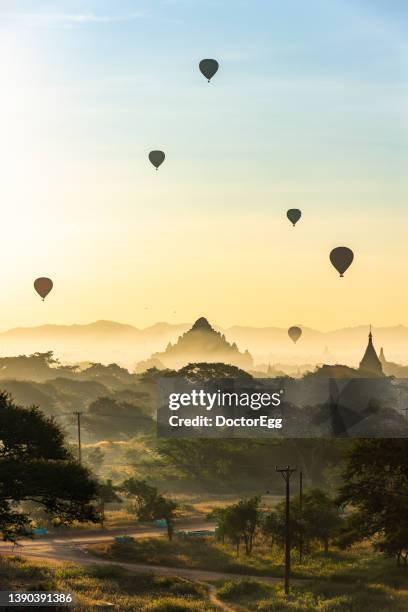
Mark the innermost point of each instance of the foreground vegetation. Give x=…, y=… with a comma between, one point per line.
x=353, y=534
x=322, y=595
x=359, y=563
x=106, y=586
x=357, y=580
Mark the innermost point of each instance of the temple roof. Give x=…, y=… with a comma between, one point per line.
x=202, y=324
x=370, y=362
x=382, y=357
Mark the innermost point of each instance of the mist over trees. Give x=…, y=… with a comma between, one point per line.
x=355, y=490
x=118, y=424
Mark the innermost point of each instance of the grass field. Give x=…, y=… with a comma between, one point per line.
x=212, y=555
x=202, y=504
x=322, y=595
x=356, y=580
x=104, y=587
x=200, y=554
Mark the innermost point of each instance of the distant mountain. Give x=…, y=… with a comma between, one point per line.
x=104, y=341
x=109, y=341
x=97, y=329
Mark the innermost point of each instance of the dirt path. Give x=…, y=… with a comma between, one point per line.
x=196, y=575
x=213, y=597
x=71, y=549
x=199, y=576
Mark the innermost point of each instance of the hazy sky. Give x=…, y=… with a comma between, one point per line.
x=308, y=110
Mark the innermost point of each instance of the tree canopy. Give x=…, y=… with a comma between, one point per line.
x=376, y=488
x=238, y=522
x=36, y=466
x=149, y=504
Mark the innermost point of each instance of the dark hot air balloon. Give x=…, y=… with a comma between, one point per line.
x=156, y=158
x=43, y=286
x=341, y=258
x=294, y=214
x=294, y=333
x=208, y=68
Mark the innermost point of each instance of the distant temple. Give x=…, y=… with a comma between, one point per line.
x=202, y=343
x=390, y=368
x=370, y=363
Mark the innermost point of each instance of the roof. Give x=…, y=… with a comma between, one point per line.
x=370, y=362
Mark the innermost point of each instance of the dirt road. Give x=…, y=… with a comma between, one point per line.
x=72, y=548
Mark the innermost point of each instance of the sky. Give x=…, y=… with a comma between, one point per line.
x=308, y=110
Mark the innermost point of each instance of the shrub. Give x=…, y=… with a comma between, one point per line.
x=237, y=589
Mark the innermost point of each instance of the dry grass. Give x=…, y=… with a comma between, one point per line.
x=203, y=504
x=96, y=586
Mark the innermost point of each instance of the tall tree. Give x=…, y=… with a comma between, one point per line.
x=149, y=504
x=319, y=520
x=376, y=488
x=36, y=466
x=238, y=523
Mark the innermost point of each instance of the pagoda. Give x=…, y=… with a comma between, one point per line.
x=202, y=343
x=370, y=364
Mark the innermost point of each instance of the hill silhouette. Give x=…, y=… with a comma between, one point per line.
x=109, y=341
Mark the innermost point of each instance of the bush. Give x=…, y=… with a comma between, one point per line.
x=237, y=589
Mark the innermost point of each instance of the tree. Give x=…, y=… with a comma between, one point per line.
x=149, y=504
x=36, y=466
x=376, y=488
x=319, y=520
x=273, y=527
x=230, y=464
x=106, y=494
x=109, y=418
x=205, y=372
x=238, y=523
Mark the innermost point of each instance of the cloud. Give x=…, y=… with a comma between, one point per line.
x=71, y=19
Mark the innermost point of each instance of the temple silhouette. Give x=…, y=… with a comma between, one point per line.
x=202, y=343
x=370, y=363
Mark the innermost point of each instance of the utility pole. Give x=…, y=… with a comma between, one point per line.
x=301, y=517
x=287, y=472
x=78, y=414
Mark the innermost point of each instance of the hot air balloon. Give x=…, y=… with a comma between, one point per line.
x=157, y=158
x=341, y=258
x=43, y=286
x=294, y=214
x=294, y=333
x=208, y=68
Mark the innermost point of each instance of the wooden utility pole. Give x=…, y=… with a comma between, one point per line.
x=78, y=414
x=287, y=472
x=301, y=518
